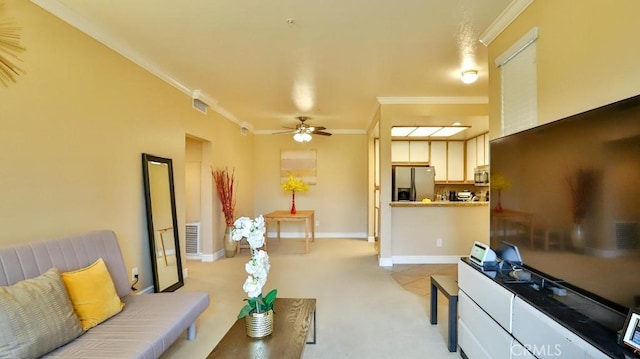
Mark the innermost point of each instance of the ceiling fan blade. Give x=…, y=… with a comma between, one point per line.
x=321, y=133
x=319, y=128
x=283, y=132
x=290, y=128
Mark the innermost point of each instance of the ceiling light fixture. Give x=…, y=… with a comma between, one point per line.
x=302, y=137
x=426, y=131
x=469, y=76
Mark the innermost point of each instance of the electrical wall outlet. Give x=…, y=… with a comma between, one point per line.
x=134, y=273
x=317, y=223
x=439, y=242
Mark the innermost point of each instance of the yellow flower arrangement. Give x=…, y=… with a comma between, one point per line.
x=293, y=184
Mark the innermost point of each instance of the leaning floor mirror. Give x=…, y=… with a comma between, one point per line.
x=162, y=223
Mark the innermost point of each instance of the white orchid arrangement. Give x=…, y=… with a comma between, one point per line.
x=257, y=267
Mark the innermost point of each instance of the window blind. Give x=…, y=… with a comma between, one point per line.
x=519, y=85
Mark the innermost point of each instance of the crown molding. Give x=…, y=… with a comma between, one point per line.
x=432, y=100
x=512, y=11
x=72, y=18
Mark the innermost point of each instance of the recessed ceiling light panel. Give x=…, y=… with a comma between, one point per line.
x=424, y=131
x=402, y=131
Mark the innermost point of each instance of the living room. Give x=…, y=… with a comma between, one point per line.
x=72, y=136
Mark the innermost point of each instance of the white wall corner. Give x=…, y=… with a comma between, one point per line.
x=385, y=262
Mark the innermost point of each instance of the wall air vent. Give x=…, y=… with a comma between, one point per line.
x=197, y=103
x=200, y=106
x=192, y=247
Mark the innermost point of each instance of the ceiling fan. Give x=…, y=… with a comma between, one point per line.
x=302, y=132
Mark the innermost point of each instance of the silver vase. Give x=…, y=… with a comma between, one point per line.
x=259, y=324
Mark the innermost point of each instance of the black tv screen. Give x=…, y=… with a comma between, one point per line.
x=567, y=193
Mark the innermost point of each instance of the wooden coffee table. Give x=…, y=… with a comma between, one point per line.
x=291, y=322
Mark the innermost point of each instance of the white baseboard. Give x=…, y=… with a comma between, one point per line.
x=385, y=262
x=146, y=290
x=211, y=257
x=390, y=261
x=426, y=259
x=274, y=235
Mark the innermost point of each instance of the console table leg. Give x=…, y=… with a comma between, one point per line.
x=453, y=324
x=434, y=304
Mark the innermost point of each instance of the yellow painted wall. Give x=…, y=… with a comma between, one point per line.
x=72, y=131
x=340, y=195
x=587, y=56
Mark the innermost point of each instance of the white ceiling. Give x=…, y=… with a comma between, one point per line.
x=263, y=63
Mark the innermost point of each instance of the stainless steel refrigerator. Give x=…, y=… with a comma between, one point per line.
x=413, y=183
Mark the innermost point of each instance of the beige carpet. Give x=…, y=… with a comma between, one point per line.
x=362, y=312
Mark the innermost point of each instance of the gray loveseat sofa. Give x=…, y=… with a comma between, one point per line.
x=148, y=323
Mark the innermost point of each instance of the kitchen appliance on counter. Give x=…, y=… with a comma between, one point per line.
x=481, y=176
x=418, y=180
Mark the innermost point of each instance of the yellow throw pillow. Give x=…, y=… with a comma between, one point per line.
x=92, y=294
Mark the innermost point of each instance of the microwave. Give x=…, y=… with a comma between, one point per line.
x=481, y=176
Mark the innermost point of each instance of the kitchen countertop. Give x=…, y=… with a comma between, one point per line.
x=439, y=204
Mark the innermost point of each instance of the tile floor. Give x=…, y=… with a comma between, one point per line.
x=416, y=278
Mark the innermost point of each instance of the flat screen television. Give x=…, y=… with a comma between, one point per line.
x=567, y=193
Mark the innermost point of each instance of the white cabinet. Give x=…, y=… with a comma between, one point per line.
x=477, y=150
x=545, y=337
x=486, y=148
x=471, y=158
x=455, y=161
x=491, y=296
x=482, y=337
x=399, y=151
x=494, y=323
x=410, y=151
x=439, y=159
x=419, y=151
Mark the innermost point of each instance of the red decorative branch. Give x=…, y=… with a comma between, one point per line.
x=225, y=186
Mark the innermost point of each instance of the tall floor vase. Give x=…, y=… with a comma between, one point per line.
x=230, y=246
x=293, y=203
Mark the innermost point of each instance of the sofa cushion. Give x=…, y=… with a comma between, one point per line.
x=92, y=293
x=36, y=316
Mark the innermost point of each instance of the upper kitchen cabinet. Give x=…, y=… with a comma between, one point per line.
x=410, y=152
x=448, y=159
x=439, y=159
x=477, y=150
x=455, y=161
x=471, y=148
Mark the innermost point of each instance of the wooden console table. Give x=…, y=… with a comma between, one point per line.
x=292, y=319
x=285, y=216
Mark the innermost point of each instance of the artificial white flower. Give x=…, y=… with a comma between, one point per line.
x=253, y=287
x=258, y=266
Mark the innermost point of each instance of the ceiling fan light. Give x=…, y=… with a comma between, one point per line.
x=302, y=137
x=469, y=76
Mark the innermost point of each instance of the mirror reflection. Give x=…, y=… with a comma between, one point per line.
x=162, y=223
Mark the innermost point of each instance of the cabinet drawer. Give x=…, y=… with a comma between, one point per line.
x=469, y=343
x=494, y=340
x=489, y=295
x=545, y=337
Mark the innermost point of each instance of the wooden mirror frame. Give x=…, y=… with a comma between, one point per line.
x=148, y=160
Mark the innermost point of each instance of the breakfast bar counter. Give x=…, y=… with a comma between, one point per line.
x=439, y=204
x=436, y=232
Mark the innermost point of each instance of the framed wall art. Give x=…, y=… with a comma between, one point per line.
x=301, y=163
